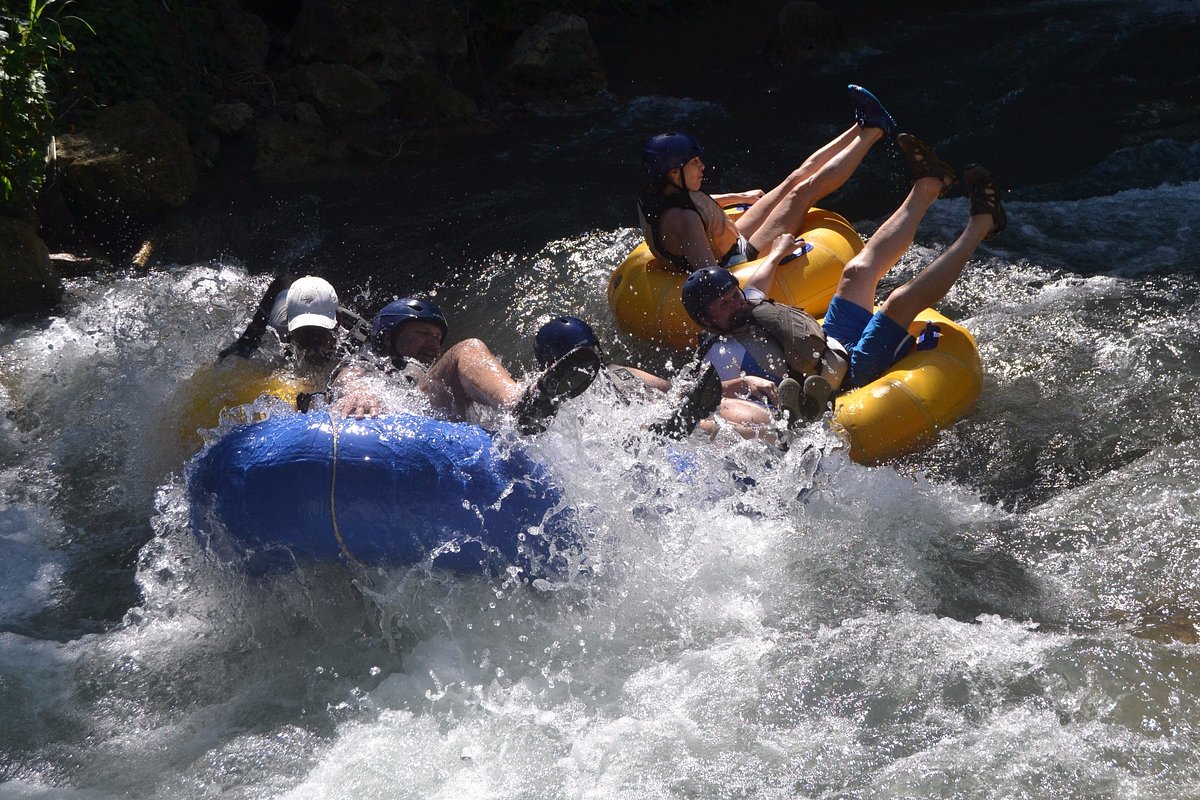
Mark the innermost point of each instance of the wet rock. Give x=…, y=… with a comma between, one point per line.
x=435, y=27
x=306, y=113
x=805, y=29
x=339, y=92
x=227, y=119
x=242, y=39
x=286, y=143
x=555, y=59
x=417, y=90
x=28, y=282
x=131, y=162
x=368, y=38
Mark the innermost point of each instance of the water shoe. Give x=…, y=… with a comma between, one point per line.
x=567, y=377
x=985, y=197
x=869, y=112
x=924, y=163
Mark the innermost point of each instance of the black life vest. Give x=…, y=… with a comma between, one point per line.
x=651, y=205
x=806, y=348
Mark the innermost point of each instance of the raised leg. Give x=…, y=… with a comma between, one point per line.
x=782, y=210
x=861, y=276
x=932, y=283
x=469, y=372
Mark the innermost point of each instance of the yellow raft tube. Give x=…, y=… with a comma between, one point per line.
x=199, y=402
x=929, y=389
x=932, y=387
x=644, y=294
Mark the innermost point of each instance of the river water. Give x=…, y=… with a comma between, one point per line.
x=1009, y=613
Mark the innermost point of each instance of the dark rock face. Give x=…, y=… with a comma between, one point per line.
x=340, y=93
x=369, y=38
x=132, y=163
x=555, y=59
x=227, y=119
x=284, y=143
x=28, y=281
x=242, y=38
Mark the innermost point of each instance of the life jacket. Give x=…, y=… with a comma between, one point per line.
x=719, y=229
x=804, y=347
x=410, y=369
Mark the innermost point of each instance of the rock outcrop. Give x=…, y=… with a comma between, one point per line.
x=28, y=282
x=555, y=60
x=133, y=163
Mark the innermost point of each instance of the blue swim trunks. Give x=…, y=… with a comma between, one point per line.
x=874, y=341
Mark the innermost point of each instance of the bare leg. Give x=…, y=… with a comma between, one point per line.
x=861, y=276
x=782, y=210
x=469, y=372
x=743, y=412
x=932, y=283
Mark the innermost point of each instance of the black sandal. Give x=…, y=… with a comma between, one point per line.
x=567, y=377
x=924, y=163
x=985, y=197
x=698, y=402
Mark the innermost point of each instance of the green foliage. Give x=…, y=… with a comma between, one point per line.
x=31, y=45
x=141, y=49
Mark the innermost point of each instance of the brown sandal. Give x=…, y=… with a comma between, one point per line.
x=985, y=197
x=924, y=163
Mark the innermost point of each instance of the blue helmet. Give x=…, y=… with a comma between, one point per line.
x=702, y=287
x=403, y=310
x=560, y=336
x=668, y=151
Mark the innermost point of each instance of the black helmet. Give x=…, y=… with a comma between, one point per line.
x=668, y=151
x=702, y=287
x=403, y=310
x=560, y=336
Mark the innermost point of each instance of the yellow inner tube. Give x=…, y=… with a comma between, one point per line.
x=645, y=294
x=200, y=400
x=927, y=390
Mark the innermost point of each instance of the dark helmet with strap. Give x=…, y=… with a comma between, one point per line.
x=702, y=287
x=403, y=310
x=560, y=336
x=668, y=151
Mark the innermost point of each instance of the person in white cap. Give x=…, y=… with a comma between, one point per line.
x=308, y=315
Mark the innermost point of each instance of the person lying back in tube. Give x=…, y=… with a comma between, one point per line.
x=687, y=228
x=780, y=356
x=699, y=400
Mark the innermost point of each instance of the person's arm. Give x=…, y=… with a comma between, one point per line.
x=750, y=387
x=248, y=342
x=651, y=380
x=746, y=198
x=784, y=245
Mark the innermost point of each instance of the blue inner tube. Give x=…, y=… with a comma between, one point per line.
x=391, y=490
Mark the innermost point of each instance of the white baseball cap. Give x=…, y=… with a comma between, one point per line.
x=311, y=301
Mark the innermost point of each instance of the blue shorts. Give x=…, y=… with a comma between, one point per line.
x=874, y=341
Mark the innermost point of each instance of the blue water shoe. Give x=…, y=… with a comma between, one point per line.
x=869, y=112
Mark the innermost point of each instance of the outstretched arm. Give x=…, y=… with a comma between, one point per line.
x=746, y=198
x=750, y=387
x=764, y=276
